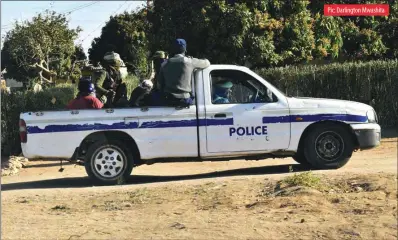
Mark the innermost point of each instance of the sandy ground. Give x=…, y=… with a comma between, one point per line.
x=208, y=200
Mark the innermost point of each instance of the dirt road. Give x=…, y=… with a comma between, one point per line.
x=209, y=200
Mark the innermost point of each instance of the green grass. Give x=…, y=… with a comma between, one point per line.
x=306, y=179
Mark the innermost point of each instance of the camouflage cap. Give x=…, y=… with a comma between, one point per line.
x=159, y=54
x=89, y=69
x=226, y=84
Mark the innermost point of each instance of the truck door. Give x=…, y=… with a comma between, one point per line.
x=243, y=115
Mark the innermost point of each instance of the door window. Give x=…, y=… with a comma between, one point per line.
x=233, y=86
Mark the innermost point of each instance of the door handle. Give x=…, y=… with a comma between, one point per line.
x=220, y=115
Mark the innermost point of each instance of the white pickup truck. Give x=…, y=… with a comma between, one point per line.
x=258, y=122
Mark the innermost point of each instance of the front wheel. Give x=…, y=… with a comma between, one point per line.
x=108, y=162
x=328, y=146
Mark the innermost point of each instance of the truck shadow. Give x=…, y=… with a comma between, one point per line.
x=80, y=182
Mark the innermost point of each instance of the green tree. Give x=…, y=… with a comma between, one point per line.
x=47, y=38
x=125, y=34
x=271, y=32
x=79, y=54
x=328, y=37
x=222, y=31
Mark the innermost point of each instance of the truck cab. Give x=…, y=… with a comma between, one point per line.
x=254, y=120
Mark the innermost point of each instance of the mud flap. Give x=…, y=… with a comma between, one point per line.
x=61, y=168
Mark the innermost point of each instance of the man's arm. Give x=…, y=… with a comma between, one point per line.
x=200, y=63
x=100, y=78
x=97, y=104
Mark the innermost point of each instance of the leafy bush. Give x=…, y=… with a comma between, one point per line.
x=356, y=81
x=305, y=179
x=131, y=82
x=12, y=104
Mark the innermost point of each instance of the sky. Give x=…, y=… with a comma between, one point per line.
x=89, y=15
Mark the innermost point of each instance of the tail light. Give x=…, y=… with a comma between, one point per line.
x=22, y=131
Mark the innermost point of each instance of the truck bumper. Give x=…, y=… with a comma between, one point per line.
x=368, y=135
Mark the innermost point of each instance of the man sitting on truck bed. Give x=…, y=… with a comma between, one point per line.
x=146, y=92
x=176, y=74
x=86, y=98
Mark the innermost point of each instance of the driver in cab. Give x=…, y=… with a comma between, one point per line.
x=222, y=92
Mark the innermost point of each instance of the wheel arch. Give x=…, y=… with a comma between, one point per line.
x=114, y=134
x=314, y=125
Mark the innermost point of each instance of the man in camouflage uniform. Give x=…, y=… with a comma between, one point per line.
x=156, y=97
x=159, y=58
x=113, y=80
x=97, y=76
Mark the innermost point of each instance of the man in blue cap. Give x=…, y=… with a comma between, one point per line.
x=86, y=98
x=176, y=74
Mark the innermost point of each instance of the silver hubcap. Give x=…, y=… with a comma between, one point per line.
x=108, y=162
x=329, y=146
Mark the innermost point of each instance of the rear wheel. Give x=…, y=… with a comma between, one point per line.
x=328, y=146
x=108, y=162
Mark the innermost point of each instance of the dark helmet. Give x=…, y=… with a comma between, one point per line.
x=86, y=86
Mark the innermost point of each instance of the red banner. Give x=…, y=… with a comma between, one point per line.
x=356, y=9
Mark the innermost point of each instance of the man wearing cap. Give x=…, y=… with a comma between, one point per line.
x=86, y=98
x=155, y=96
x=221, y=92
x=159, y=59
x=96, y=76
x=175, y=75
x=116, y=88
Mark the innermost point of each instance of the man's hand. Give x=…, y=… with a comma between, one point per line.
x=110, y=94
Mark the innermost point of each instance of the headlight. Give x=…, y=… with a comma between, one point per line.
x=372, y=117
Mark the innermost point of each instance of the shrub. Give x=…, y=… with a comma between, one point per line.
x=356, y=81
x=12, y=104
x=306, y=179
x=131, y=82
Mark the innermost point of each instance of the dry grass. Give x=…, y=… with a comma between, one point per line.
x=294, y=208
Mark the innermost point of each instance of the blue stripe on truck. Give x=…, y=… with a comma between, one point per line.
x=190, y=123
x=81, y=127
x=131, y=125
x=315, y=118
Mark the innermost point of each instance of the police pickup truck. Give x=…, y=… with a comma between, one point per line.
x=256, y=122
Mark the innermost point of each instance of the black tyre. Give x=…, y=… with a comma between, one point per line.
x=108, y=162
x=300, y=158
x=328, y=146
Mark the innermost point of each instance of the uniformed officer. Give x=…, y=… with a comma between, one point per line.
x=159, y=58
x=176, y=74
x=222, y=92
x=96, y=75
x=113, y=82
